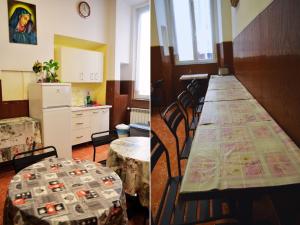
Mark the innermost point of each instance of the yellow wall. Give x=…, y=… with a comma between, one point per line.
x=245, y=13
x=97, y=90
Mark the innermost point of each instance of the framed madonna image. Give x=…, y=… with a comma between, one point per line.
x=22, y=22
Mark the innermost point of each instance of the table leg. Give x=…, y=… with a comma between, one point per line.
x=245, y=211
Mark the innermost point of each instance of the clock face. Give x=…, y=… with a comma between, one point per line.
x=84, y=9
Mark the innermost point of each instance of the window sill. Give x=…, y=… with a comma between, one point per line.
x=184, y=63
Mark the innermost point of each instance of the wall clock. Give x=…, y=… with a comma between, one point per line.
x=234, y=3
x=84, y=9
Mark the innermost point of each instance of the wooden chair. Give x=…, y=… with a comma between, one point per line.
x=186, y=102
x=174, y=211
x=173, y=116
x=103, y=138
x=24, y=159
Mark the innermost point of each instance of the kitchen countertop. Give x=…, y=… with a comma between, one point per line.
x=80, y=108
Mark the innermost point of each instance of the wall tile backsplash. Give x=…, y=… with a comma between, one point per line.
x=78, y=96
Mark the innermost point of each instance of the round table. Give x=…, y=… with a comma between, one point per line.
x=60, y=191
x=129, y=157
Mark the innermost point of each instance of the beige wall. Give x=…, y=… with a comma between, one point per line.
x=154, y=34
x=245, y=12
x=224, y=23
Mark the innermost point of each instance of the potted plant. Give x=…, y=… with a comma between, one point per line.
x=38, y=69
x=51, y=68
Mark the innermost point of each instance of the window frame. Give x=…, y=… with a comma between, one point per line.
x=194, y=38
x=135, y=46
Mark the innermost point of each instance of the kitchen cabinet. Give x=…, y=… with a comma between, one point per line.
x=99, y=119
x=80, y=66
x=88, y=120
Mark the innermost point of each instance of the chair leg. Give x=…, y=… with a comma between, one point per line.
x=94, y=158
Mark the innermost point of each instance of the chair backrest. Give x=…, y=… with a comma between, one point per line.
x=173, y=116
x=24, y=159
x=103, y=138
x=192, y=90
x=186, y=101
x=157, y=150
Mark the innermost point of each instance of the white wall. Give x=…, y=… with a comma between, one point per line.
x=226, y=21
x=53, y=17
x=123, y=39
x=245, y=13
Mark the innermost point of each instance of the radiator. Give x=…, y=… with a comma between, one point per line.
x=138, y=115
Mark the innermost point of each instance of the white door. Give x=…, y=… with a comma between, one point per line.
x=57, y=130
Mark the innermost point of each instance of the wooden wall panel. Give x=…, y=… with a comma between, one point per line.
x=267, y=62
x=119, y=102
x=11, y=109
x=225, y=55
x=164, y=67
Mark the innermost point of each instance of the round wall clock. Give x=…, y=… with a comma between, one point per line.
x=84, y=9
x=234, y=3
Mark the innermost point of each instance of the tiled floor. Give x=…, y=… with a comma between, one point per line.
x=84, y=151
x=263, y=208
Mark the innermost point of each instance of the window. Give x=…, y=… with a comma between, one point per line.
x=193, y=28
x=142, y=53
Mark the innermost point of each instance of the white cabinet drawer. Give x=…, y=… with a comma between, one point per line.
x=81, y=135
x=81, y=113
x=80, y=122
x=99, y=120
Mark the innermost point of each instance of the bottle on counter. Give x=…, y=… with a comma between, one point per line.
x=88, y=99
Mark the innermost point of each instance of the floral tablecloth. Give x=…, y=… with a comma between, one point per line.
x=257, y=154
x=17, y=135
x=60, y=191
x=221, y=84
x=238, y=145
x=233, y=112
x=227, y=95
x=129, y=157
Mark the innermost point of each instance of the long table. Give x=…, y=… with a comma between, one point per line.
x=238, y=150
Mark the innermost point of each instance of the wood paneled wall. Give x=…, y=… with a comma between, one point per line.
x=119, y=94
x=164, y=67
x=225, y=55
x=10, y=109
x=267, y=62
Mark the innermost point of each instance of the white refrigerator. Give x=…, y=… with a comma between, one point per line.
x=51, y=104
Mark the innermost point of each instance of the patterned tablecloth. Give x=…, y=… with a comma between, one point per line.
x=227, y=95
x=221, y=84
x=129, y=157
x=238, y=145
x=233, y=112
x=17, y=135
x=257, y=154
x=59, y=191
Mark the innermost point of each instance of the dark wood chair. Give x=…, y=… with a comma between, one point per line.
x=173, y=116
x=157, y=93
x=103, y=138
x=24, y=159
x=186, y=102
x=174, y=211
x=198, y=99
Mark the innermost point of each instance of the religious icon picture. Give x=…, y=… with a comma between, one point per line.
x=22, y=22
